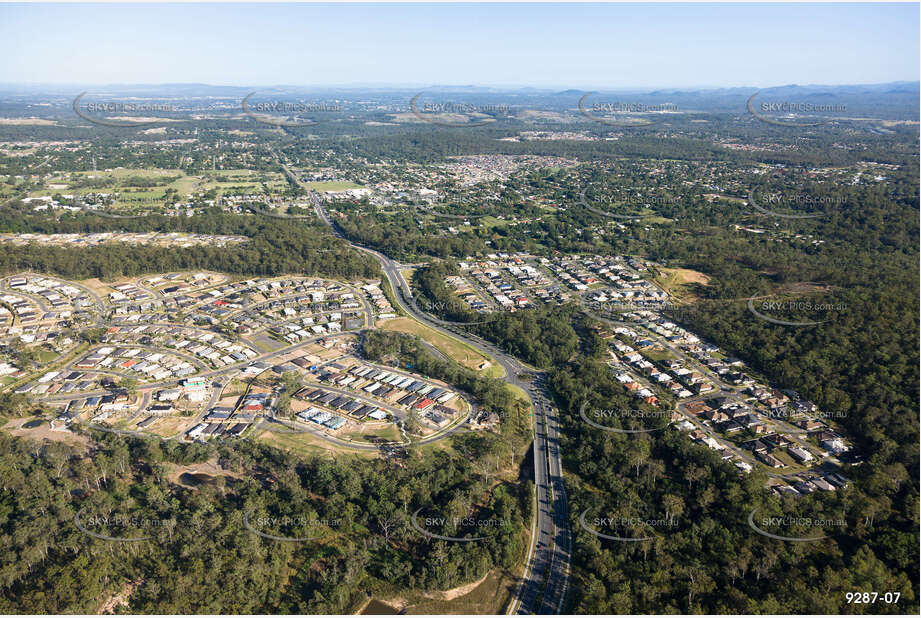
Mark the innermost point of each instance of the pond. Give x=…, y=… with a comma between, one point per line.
x=197, y=479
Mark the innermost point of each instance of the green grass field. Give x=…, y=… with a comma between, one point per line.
x=331, y=185
x=389, y=433
x=130, y=196
x=490, y=221
x=679, y=282
x=454, y=348
x=307, y=445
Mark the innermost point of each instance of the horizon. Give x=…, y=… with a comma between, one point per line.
x=460, y=309
x=400, y=86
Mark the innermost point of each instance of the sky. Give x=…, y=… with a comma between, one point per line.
x=581, y=46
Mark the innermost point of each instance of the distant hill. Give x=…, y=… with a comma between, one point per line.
x=887, y=100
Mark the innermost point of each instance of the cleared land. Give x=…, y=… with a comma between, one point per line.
x=454, y=348
x=680, y=282
x=389, y=432
x=144, y=188
x=331, y=185
x=488, y=595
x=25, y=121
x=308, y=445
x=44, y=432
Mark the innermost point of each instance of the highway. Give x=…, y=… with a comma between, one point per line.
x=543, y=588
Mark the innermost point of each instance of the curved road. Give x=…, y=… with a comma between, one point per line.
x=543, y=589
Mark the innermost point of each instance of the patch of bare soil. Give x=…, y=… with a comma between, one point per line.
x=210, y=468
x=45, y=432
x=453, y=593
x=118, y=599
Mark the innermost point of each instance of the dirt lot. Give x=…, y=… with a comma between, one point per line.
x=44, y=432
x=210, y=468
x=680, y=282
x=488, y=595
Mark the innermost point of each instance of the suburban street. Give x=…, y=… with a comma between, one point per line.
x=543, y=589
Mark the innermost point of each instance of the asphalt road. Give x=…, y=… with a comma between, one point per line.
x=208, y=374
x=543, y=589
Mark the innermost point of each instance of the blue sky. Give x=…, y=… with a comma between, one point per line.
x=581, y=46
